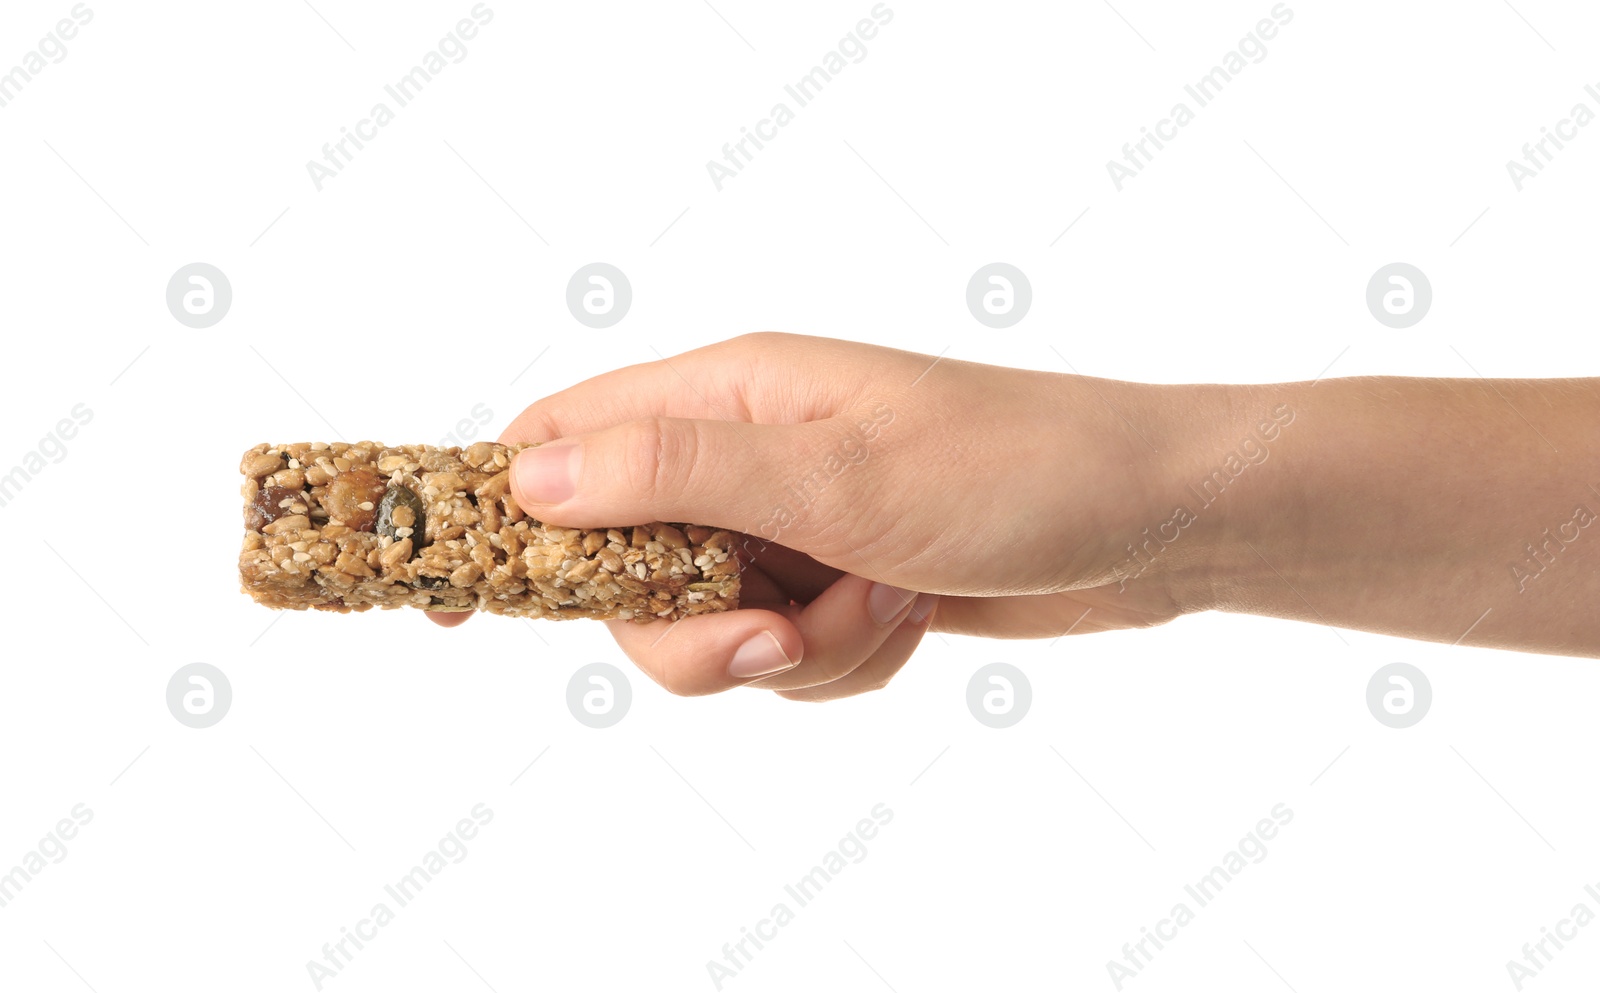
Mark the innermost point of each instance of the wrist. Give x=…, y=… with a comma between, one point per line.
x=1218, y=487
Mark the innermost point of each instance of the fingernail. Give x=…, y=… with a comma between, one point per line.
x=885, y=602
x=760, y=656
x=548, y=474
x=923, y=607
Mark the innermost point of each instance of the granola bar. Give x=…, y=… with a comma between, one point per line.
x=336, y=526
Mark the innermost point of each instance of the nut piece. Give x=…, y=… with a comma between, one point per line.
x=286, y=525
x=395, y=554
x=495, y=487
x=256, y=466
x=671, y=536
x=583, y=571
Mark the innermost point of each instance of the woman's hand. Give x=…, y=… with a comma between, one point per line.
x=882, y=492
x=878, y=492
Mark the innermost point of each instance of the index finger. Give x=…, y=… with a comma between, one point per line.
x=759, y=379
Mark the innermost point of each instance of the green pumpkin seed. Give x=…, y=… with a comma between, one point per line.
x=403, y=496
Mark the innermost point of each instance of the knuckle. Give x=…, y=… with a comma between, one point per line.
x=536, y=423
x=544, y=427
x=655, y=452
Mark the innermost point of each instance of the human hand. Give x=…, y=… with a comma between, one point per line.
x=878, y=492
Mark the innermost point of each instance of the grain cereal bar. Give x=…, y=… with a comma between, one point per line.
x=348, y=527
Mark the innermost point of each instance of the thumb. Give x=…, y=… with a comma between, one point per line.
x=716, y=473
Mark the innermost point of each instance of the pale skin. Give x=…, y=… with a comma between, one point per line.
x=884, y=499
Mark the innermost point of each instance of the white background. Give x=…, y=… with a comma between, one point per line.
x=414, y=287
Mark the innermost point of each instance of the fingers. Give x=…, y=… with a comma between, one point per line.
x=766, y=378
x=804, y=578
x=709, y=653
x=841, y=629
x=744, y=477
x=449, y=618
x=854, y=625
x=889, y=659
x=650, y=389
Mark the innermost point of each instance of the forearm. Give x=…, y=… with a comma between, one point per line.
x=1436, y=509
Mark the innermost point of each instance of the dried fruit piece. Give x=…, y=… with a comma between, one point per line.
x=271, y=503
x=352, y=498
